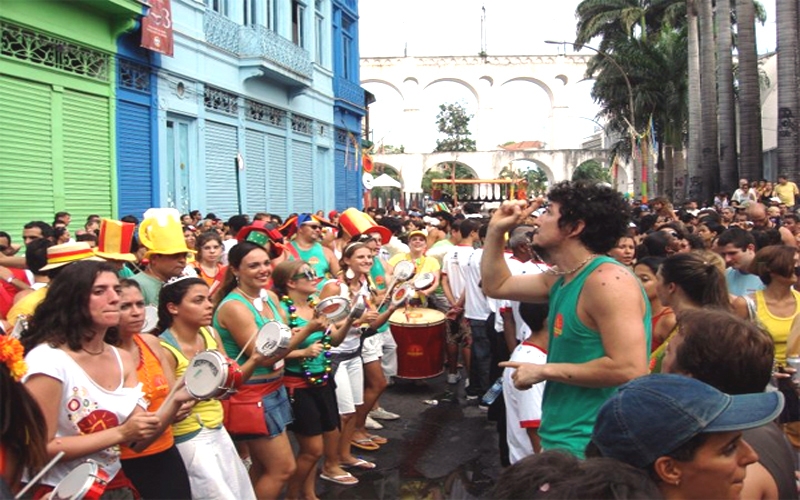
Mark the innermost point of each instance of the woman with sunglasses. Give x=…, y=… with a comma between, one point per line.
x=244, y=308
x=355, y=281
x=778, y=303
x=308, y=378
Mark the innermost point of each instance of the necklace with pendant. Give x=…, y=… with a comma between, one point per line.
x=558, y=272
x=258, y=302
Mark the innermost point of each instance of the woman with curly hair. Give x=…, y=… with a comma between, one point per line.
x=87, y=389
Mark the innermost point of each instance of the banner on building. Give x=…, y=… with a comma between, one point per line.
x=157, y=27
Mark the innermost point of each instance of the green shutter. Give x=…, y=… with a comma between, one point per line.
x=87, y=155
x=26, y=154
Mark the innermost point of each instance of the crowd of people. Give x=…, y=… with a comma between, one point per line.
x=643, y=351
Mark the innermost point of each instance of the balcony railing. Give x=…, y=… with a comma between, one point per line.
x=256, y=41
x=348, y=91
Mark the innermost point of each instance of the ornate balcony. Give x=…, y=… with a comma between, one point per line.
x=260, y=48
x=349, y=92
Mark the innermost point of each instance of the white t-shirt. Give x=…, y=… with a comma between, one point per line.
x=226, y=247
x=453, y=264
x=476, y=305
x=517, y=268
x=523, y=408
x=85, y=406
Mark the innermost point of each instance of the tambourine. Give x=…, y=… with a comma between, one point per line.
x=150, y=319
x=19, y=327
x=404, y=270
x=401, y=295
x=210, y=375
x=86, y=482
x=423, y=281
x=273, y=338
x=334, y=308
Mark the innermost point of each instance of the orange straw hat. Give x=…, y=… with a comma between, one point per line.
x=67, y=253
x=354, y=222
x=114, y=242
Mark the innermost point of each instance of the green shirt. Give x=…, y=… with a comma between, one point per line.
x=314, y=257
x=295, y=365
x=569, y=411
x=150, y=286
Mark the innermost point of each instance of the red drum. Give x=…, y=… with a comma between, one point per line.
x=86, y=482
x=420, y=337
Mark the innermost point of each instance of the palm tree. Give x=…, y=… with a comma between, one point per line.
x=695, y=109
x=788, y=49
x=709, y=152
x=750, y=143
x=728, y=161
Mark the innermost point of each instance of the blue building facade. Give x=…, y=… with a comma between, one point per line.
x=349, y=104
x=245, y=108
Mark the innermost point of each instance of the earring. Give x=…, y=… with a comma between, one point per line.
x=349, y=274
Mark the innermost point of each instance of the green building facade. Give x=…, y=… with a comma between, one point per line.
x=57, y=107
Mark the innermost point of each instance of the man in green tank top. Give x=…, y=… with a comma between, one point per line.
x=307, y=247
x=599, y=322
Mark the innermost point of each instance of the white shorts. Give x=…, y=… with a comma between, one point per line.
x=372, y=349
x=215, y=469
x=349, y=385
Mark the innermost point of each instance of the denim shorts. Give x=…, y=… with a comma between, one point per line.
x=277, y=411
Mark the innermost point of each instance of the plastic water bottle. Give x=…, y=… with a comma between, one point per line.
x=494, y=391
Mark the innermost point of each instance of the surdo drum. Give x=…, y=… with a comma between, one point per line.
x=419, y=334
x=210, y=375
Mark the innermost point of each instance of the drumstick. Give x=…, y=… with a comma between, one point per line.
x=245, y=346
x=38, y=476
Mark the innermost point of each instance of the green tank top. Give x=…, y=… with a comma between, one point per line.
x=295, y=365
x=569, y=411
x=314, y=257
x=378, y=276
x=229, y=343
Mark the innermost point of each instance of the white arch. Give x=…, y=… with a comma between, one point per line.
x=535, y=81
x=458, y=81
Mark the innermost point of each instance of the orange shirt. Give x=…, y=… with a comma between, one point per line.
x=156, y=389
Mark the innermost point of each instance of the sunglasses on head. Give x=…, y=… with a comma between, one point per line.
x=308, y=274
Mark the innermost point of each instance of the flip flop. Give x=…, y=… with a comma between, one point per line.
x=345, y=479
x=364, y=444
x=377, y=439
x=360, y=464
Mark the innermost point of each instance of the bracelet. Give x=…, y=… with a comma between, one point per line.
x=10, y=279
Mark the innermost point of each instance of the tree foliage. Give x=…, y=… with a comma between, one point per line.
x=444, y=171
x=591, y=170
x=453, y=122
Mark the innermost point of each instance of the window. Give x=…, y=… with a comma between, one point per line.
x=347, y=48
x=250, y=10
x=319, y=33
x=218, y=6
x=298, y=23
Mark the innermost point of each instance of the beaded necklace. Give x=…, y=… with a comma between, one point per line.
x=326, y=345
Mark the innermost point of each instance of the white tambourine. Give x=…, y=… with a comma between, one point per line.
x=210, y=375
x=86, y=482
x=423, y=281
x=334, y=308
x=358, y=307
x=150, y=319
x=367, y=180
x=401, y=295
x=273, y=338
x=404, y=270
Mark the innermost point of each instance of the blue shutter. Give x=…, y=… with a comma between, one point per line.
x=278, y=190
x=302, y=177
x=340, y=181
x=256, y=170
x=221, y=149
x=134, y=158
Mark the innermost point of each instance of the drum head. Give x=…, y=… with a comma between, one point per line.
x=150, y=319
x=272, y=337
x=418, y=316
x=206, y=374
x=424, y=281
x=334, y=308
x=404, y=270
x=77, y=483
x=400, y=295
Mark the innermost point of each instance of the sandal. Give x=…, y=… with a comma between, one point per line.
x=345, y=479
x=377, y=439
x=360, y=464
x=364, y=444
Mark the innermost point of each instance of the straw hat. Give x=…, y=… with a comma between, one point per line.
x=161, y=232
x=354, y=222
x=114, y=242
x=67, y=253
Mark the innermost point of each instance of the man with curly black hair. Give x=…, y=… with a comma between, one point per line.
x=599, y=320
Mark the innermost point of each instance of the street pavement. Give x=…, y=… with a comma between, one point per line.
x=442, y=450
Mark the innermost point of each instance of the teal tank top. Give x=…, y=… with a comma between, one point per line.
x=294, y=365
x=229, y=343
x=314, y=257
x=378, y=276
x=569, y=411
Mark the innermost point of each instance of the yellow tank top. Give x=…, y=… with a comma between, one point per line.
x=206, y=413
x=777, y=327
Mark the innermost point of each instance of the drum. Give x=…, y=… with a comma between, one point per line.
x=273, y=338
x=210, y=375
x=423, y=281
x=150, y=319
x=404, y=270
x=335, y=308
x=359, y=307
x=401, y=295
x=86, y=482
x=420, y=337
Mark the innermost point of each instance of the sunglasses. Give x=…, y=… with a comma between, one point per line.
x=314, y=226
x=308, y=274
